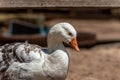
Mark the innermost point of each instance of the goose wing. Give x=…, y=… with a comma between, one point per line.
x=16, y=54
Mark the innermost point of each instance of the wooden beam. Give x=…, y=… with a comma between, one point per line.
x=58, y=3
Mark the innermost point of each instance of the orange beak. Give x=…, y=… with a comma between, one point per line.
x=74, y=44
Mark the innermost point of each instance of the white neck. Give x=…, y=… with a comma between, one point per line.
x=54, y=44
x=58, y=56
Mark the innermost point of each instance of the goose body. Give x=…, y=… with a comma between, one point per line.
x=24, y=61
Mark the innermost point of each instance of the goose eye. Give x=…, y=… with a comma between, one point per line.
x=70, y=34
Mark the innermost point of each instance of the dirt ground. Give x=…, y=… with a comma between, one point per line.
x=98, y=63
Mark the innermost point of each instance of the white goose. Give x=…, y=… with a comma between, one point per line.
x=23, y=61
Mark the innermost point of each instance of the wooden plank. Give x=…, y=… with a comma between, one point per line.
x=58, y=3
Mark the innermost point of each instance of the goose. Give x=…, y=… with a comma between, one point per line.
x=25, y=61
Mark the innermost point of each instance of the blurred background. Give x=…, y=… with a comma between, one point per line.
x=94, y=25
x=98, y=35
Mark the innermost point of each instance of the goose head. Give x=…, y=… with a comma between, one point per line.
x=64, y=32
